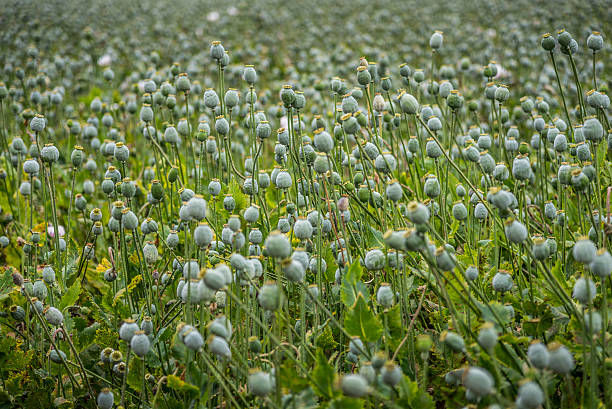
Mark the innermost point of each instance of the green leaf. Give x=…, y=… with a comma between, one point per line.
x=134, y=377
x=240, y=198
x=352, y=286
x=70, y=296
x=362, y=322
x=346, y=403
x=376, y=238
x=290, y=379
x=323, y=376
x=413, y=397
x=174, y=382
x=325, y=340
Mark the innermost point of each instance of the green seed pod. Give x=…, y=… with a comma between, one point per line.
x=487, y=337
x=540, y=249
x=354, y=386
x=584, y=290
x=57, y=356
x=595, y=41
x=453, y=341
x=561, y=359
x=49, y=153
x=157, y=190
x=17, y=312
x=435, y=41
x=259, y=383
x=530, y=396
x=37, y=123
x=502, y=282
x=409, y=104
x=538, y=355
x=601, y=265
x=105, y=399
x=128, y=329
x=54, y=316
x=140, y=343
x=584, y=250
x=385, y=296
x=391, y=373
x=478, y=380
x=548, y=42
x=254, y=345
x=269, y=296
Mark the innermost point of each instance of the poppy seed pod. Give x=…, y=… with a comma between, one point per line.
x=444, y=260
x=302, y=229
x=530, y=396
x=146, y=113
x=49, y=153
x=592, y=129
x=374, y=260
x=487, y=337
x=601, y=265
x=364, y=77
x=216, y=50
x=436, y=39
x=37, y=123
x=105, y=399
x=564, y=38
x=287, y=96
x=31, y=167
x=385, y=296
x=54, y=316
x=259, y=383
x=515, y=231
x=249, y=74
x=127, y=330
x=323, y=142
x=193, y=339
x=595, y=41
x=584, y=250
x=432, y=148
x=57, y=356
x=432, y=187
x=540, y=249
x=140, y=343
x=409, y=104
x=584, y=290
x=478, y=380
x=460, y=211
x=502, y=94
x=538, y=355
x=548, y=42
x=391, y=373
x=269, y=296
x=502, y=282
x=150, y=252
x=471, y=273
x=221, y=125
x=418, y=213
x=182, y=83
x=354, y=386
x=453, y=341
x=561, y=359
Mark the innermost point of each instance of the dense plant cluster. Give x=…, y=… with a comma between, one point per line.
x=263, y=204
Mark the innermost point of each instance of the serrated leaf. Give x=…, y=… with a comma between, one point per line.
x=413, y=397
x=361, y=321
x=352, y=286
x=71, y=295
x=323, y=375
x=174, y=382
